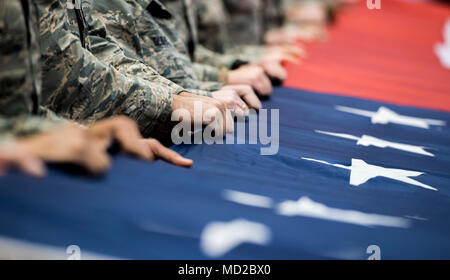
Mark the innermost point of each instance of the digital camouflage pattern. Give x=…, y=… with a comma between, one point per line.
x=249, y=20
x=19, y=67
x=23, y=126
x=273, y=15
x=20, y=74
x=79, y=86
x=146, y=29
x=187, y=26
x=245, y=21
x=212, y=21
x=97, y=33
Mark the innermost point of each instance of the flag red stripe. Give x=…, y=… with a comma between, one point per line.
x=385, y=55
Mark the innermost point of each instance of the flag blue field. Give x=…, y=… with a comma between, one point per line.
x=350, y=173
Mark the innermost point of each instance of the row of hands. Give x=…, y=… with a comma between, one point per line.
x=87, y=146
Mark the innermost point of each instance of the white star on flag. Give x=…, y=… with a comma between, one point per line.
x=385, y=116
x=218, y=238
x=442, y=50
x=361, y=172
x=368, y=141
x=308, y=208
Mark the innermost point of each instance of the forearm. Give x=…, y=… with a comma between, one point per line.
x=78, y=86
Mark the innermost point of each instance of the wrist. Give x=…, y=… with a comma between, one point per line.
x=28, y=145
x=224, y=75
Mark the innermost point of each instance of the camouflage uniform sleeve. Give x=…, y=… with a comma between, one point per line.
x=211, y=22
x=22, y=126
x=50, y=115
x=245, y=21
x=146, y=30
x=209, y=73
x=212, y=78
x=273, y=14
x=210, y=87
x=107, y=49
x=78, y=86
x=185, y=25
x=250, y=53
x=226, y=60
x=215, y=45
x=18, y=79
